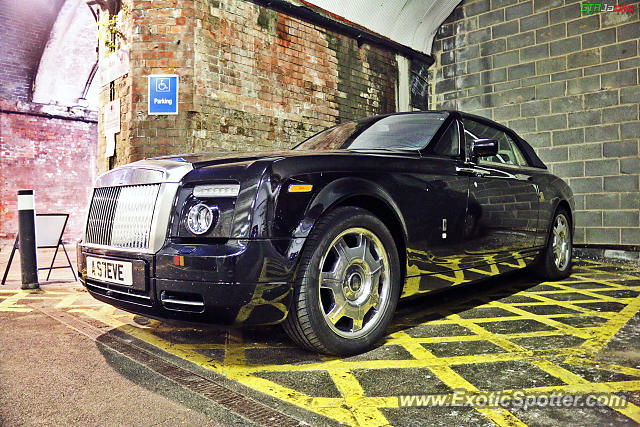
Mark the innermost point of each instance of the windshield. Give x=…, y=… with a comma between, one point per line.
x=397, y=132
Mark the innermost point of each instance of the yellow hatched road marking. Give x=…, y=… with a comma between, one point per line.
x=631, y=410
x=11, y=303
x=603, y=365
x=609, y=329
x=351, y=390
x=268, y=387
x=354, y=407
x=568, y=330
x=67, y=301
x=451, y=378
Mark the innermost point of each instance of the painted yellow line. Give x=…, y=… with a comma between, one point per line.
x=460, y=338
x=67, y=301
x=566, y=329
x=570, y=378
x=350, y=388
x=246, y=346
x=572, y=360
x=572, y=305
x=451, y=378
x=547, y=301
x=11, y=303
x=586, y=388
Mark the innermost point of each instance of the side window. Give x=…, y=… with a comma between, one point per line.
x=449, y=142
x=508, y=151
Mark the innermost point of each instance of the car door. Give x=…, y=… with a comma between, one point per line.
x=437, y=214
x=502, y=212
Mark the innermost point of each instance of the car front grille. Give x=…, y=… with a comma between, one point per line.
x=121, y=216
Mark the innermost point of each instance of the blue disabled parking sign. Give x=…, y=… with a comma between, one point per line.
x=163, y=94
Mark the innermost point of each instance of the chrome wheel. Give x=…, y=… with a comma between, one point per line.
x=561, y=242
x=354, y=283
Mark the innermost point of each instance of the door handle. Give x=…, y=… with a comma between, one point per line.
x=471, y=171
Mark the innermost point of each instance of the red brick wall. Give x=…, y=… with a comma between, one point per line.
x=250, y=78
x=53, y=156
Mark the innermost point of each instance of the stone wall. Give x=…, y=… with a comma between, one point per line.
x=51, y=151
x=568, y=82
x=250, y=78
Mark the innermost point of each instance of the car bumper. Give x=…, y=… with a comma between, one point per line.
x=231, y=282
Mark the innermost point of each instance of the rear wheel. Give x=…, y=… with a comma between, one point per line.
x=347, y=286
x=555, y=262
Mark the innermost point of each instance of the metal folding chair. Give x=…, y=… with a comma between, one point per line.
x=49, y=231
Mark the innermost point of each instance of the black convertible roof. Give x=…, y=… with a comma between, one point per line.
x=522, y=143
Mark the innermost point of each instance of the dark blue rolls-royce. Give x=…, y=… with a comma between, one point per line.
x=325, y=238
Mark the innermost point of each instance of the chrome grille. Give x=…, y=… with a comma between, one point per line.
x=121, y=216
x=101, y=212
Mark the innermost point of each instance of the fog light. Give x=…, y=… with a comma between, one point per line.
x=199, y=219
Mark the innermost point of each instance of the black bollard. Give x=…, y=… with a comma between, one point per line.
x=27, y=238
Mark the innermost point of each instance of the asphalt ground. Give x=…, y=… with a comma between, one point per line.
x=66, y=358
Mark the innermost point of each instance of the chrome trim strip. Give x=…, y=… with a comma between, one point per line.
x=144, y=172
x=162, y=214
x=181, y=302
x=472, y=170
x=144, y=297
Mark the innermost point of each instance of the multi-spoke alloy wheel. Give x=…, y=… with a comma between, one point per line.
x=348, y=285
x=354, y=282
x=561, y=242
x=555, y=261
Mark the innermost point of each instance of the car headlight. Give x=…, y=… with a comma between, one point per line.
x=200, y=218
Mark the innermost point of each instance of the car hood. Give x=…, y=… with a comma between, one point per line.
x=174, y=168
x=199, y=160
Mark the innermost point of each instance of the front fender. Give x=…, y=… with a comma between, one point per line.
x=340, y=191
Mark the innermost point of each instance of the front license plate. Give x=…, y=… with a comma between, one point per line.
x=110, y=270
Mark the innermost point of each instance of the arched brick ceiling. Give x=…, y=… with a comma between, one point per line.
x=24, y=30
x=47, y=50
x=68, y=58
x=412, y=23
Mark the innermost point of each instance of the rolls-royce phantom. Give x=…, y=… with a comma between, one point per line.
x=325, y=238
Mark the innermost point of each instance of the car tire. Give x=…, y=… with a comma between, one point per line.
x=347, y=286
x=554, y=262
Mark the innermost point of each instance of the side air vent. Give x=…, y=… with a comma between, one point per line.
x=182, y=301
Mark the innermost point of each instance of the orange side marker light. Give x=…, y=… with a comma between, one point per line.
x=300, y=188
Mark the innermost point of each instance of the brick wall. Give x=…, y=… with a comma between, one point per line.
x=53, y=156
x=24, y=31
x=568, y=83
x=250, y=78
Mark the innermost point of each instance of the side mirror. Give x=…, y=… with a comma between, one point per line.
x=484, y=148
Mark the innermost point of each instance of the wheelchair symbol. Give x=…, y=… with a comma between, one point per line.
x=162, y=85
